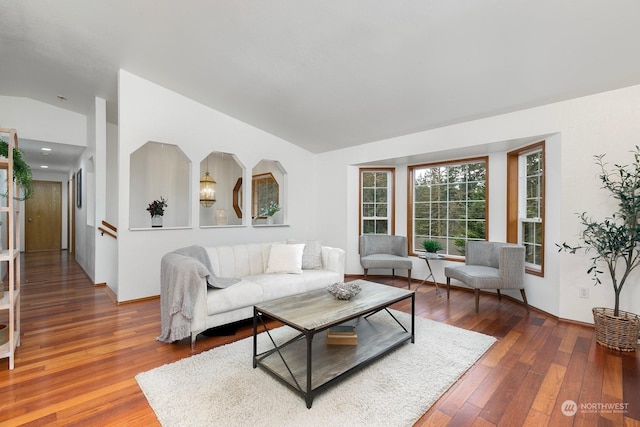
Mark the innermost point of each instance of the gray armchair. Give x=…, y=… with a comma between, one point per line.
x=384, y=251
x=490, y=265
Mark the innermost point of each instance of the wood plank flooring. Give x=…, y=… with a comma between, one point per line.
x=80, y=353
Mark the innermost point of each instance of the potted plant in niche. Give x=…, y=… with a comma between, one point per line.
x=156, y=210
x=614, y=244
x=269, y=211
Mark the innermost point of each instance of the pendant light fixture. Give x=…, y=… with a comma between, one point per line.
x=207, y=189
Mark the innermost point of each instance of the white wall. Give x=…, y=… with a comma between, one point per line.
x=575, y=130
x=85, y=223
x=111, y=199
x=148, y=112
x=106, y=255
x=42, y=122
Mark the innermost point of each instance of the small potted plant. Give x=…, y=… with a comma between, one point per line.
x=269, y=211
x=156, y=210
x=614, y=243
x=431, y=248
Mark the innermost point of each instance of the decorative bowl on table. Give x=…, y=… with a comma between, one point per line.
x=343, y=290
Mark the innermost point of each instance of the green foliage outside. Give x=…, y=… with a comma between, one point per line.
x=450, y=205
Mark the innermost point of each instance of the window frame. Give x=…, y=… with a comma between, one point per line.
x=516, y=198
x=391, y=185
x=410, y=199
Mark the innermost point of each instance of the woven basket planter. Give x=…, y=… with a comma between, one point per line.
x=616, y=332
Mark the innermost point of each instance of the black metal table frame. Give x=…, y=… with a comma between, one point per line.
x=308, y=334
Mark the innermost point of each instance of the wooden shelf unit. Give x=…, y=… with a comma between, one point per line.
x=10, y=251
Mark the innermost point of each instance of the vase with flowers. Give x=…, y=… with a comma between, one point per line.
x=156, y=210
x=269, y=211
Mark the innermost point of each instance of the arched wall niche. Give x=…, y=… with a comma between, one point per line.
x=268, y=179
x=227, y=172
x=159, y=170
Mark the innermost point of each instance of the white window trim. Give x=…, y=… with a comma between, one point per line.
x=522, y=201
x=411, y=178
x=390, y=197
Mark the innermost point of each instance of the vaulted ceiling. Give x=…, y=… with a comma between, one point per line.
x=324, y=74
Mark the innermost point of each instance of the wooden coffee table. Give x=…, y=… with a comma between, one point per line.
x=305, y=362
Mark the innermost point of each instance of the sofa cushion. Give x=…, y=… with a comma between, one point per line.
x=253, y=290
x=279, y=285
x=242, y=294
x=476, y=276
x=385, y=261
x=285, y=258
x=282, y=285
x=320, y=279
x=312, y=256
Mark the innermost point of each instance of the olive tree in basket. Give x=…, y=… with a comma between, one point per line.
x=613, y=243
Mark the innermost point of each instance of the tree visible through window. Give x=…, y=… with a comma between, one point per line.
x=448, y=204
x=376, y=208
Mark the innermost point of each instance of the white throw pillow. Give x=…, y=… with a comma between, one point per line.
x=285, y=258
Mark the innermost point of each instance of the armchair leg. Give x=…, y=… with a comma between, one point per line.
x=477, y=301
x=524, y=298
x=448, y=286
x=365, y=273
x=499, y=296
x=393, y=273
x=193, y=341
x=409, y=280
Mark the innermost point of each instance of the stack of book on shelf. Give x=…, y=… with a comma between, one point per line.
x=342, y=335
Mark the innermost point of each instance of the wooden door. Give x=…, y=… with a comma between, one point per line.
x=43, y=217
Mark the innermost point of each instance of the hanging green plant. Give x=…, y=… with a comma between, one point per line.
x=21, y=170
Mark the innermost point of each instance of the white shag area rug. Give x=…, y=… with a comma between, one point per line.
x=219, y=387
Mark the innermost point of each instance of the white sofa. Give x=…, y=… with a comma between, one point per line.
x=265, y=272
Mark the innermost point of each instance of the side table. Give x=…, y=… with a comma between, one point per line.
x=426, y=257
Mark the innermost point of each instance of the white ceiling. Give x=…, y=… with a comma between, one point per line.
x=62, y=158
x=324, y=74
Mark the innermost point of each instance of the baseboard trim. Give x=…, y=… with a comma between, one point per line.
x=132, y=301
x=443, y=286
x=110, y=294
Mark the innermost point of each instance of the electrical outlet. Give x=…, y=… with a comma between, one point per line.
x=584, y=292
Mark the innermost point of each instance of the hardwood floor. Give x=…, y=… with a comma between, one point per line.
x=80, y=353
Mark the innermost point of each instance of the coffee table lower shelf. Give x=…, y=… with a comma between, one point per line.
x=288, y=361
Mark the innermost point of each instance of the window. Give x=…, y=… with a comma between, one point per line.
x=376, y=201
x=448, y=203
x=525, y=203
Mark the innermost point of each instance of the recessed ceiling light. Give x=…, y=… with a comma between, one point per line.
x=44, y=167
x=45, y=149
x=62, y=98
